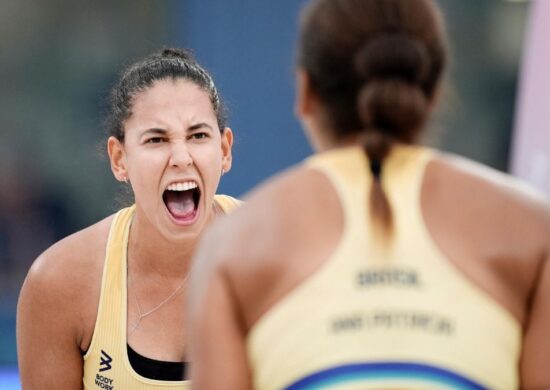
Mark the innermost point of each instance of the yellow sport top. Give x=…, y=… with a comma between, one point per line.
x=106, y=364
x=399, y=318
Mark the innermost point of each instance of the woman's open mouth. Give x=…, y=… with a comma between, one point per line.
x=182, y=201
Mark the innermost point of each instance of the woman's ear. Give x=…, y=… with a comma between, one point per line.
x=305, y=98
x=308, y=110
x=117, y=158
x=227, y=145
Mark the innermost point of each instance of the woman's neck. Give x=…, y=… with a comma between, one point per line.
x=337, y=144
x=151, y=252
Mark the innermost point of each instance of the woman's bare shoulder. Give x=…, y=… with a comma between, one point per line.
x=287, y=219
x=269, y=213
x=65, y=267
x=278, y=221
x=75, y=250
x=484, y=185
x=61, y=291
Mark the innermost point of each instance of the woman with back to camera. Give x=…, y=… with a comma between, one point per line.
x=102, y=308
x=379, y=264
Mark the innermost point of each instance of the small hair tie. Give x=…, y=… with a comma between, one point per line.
x=376, y=168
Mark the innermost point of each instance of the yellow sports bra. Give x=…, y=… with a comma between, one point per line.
x=106, y=364
x=402, y=318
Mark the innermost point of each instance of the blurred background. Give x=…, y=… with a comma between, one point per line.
x=58, y=59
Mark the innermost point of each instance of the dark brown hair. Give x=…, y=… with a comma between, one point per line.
x=168, y=63
x=375, y=66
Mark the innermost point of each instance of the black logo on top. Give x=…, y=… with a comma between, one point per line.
x=105, y=362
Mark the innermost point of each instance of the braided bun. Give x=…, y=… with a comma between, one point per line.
x=393, y=67
x=393, y=55
x=393, y=107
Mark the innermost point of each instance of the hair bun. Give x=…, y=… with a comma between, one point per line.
x=393, y=56
x=171, y=52
x=393, y=106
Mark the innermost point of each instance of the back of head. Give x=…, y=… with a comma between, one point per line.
x=375, y=66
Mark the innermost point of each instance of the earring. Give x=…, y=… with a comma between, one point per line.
x=125, y=179
x=223, y=171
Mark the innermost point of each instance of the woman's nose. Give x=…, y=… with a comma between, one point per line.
x=180, y=155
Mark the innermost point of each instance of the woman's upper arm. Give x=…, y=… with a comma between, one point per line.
x=216, y=338
x=47, y=338
x=535, y=360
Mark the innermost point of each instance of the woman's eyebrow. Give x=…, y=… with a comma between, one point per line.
x=155, y=131
x=199, y=126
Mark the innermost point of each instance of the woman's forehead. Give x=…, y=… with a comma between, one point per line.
x=168, y=90
x=169, y=103
x=169, y=96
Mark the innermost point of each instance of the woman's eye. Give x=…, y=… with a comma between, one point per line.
x=199, y=135
x=155, y=140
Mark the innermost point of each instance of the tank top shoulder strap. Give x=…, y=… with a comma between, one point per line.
x=405, y=167
x=227, y=203
x=347, y=171
x=116, y=245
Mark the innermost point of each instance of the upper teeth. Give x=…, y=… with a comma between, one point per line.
x=183, y=186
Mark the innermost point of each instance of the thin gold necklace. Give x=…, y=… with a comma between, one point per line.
x=217, y=210
x=143, y=315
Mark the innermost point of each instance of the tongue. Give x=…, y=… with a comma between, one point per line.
x=180, y=203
